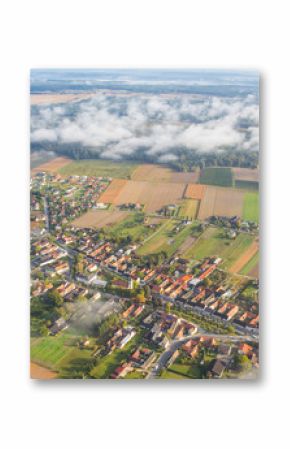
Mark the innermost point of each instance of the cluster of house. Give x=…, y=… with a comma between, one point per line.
x=161, y=326
x=70, y=291
x=66, y=198
x=121, y=337
x=48, y=253
x=133, y=311
x=222, y=354
x=140, y=359
x=39, y=287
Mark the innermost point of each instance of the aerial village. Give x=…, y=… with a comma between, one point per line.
x=109, y=301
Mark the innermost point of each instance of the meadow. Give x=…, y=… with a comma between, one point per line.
x=251, y=207
x=213, y=242
x=98, y=167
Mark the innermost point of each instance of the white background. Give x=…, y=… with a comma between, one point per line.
x=124, y=33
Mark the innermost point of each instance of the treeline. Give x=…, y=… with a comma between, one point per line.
x=186, y=160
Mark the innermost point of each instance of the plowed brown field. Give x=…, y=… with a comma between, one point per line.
x=112, y=192
x=99, y=218
x=221, y=201
x=39, y=372
x=52, y=166
x=157, y=173
x=153, y=195
x=246, y=174
x=195, y=191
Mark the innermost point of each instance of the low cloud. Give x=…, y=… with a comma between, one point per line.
x=119, y=125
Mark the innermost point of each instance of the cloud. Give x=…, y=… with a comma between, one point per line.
x=119, y=125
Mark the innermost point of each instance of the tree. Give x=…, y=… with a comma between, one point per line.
x=168, y=307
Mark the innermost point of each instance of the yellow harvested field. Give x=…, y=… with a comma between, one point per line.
x=189, y=208
x=245, y=258
x=152, y=195
x=195, y=191
x=99, y=218
x=113, y=190
x=152, y=173
x=157, y=173
x=246, y=174
x=189, y=177
x=221, y=201
x=58, y=98
x=52, y=166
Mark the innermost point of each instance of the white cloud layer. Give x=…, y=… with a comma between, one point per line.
x=118, y=125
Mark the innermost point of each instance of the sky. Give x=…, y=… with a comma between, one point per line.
x=157, y=111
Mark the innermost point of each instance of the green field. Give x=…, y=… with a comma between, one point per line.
x=248, y=185
x=213, y=242
x=250, y=265
x=132, y=226
x=251, y=207
x=189, y=208
x=216, y=176
x=59, y=353
x=97, y=167
x=164, y=239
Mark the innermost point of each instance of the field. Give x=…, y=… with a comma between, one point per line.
x=217, y=176
x=195, y=191
x=154, y=196
x=214, y=243
x=100, y=218
x=247, y=185
x=99, y=167
x=221, y=201
x=39, y=372
x=251, y=207
x=132, y=226
x=245, y=258
x=151, y=173
x=251, y=268
x=58, y=353
x=112, y=191
x=53, y=165
x=165, y=239
x=189, y=208
x=246, y=174
x=158, y=173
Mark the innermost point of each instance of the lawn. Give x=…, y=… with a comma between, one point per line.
x=191, y=371
x=189, y=208
x=251, y=207
x=216, y=176
x=97, y=167
x=214, y=243
x=165, y=239
x=59, y=353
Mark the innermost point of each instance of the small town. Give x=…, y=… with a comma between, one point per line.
x=103, y=305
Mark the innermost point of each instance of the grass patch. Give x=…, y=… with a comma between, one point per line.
x=216, y=176
x=189, y=208
x=96, y=167
x=251, y=207
x=171, y=375
x=191, y=371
